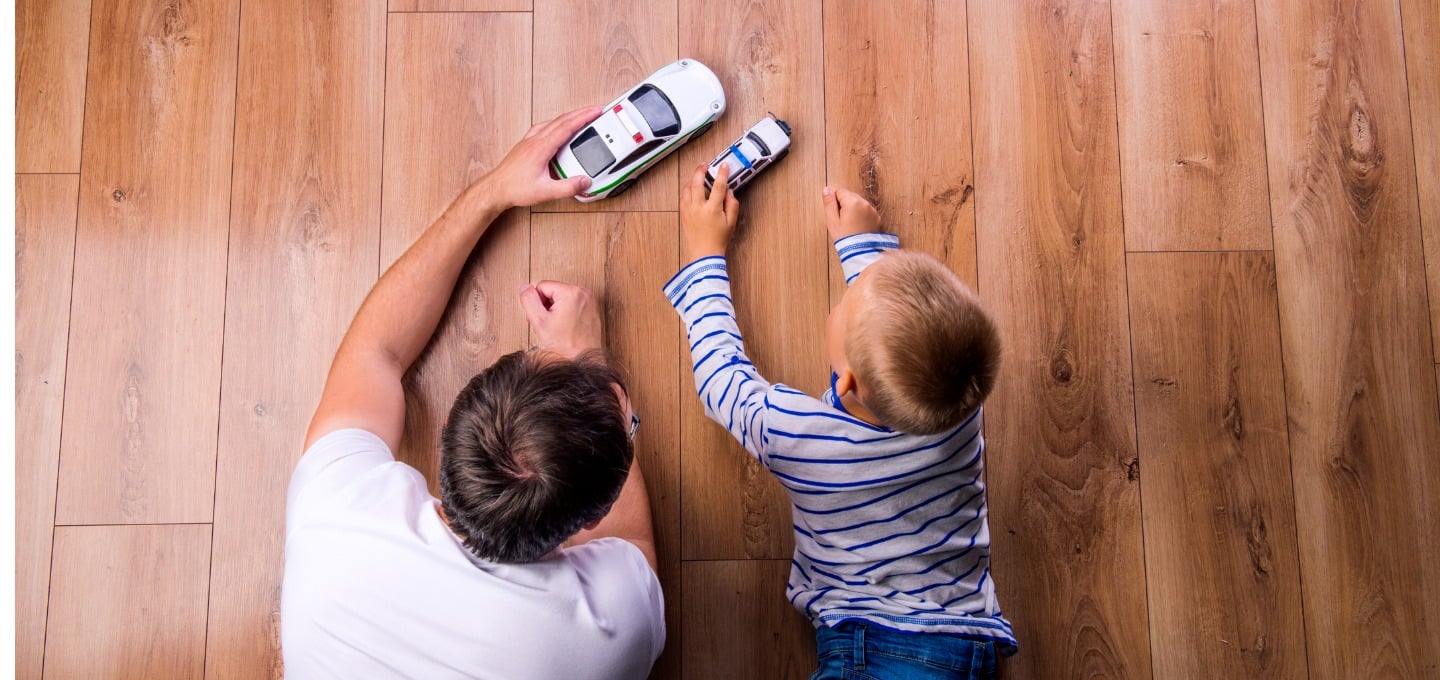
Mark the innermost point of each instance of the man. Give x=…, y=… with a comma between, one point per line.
x=538, y=560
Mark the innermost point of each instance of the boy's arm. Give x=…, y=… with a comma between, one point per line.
x=732, y=390
x=854, y=226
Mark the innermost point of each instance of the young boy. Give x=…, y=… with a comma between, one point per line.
x=892, y=554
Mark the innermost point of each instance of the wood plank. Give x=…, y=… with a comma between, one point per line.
x=1192, y=139
x=1361, y=404
x=457, y=97
x=305, y=237
x=149, y=291
x=460, y=5
x=739, y=626
x=734, y=508
x=128, y=602
x=44, y=258
x=591, y=52
x=1064, y=495
x=52, y=41
x=1221, y=565
x=897, y=123
x=1421, y=20
x=625, y=259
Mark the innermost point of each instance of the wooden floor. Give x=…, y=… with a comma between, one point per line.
x=1209, y=230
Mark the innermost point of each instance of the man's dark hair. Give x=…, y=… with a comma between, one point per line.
x=535, y=448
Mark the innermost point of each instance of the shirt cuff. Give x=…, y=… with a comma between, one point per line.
x=705, y=268
x=857, y=251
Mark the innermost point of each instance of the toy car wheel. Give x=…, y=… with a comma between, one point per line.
x=783, y=153
x=624, y=187
x=700, y=132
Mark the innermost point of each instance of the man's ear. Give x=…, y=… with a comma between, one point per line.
x=845, y=383
x=591, y=526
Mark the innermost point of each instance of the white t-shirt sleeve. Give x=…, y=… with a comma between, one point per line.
x=331, y=464
x=610, y=561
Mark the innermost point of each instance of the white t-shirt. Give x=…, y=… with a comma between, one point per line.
x=376, y=585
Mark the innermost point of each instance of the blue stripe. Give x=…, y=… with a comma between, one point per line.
x=872, y=482
x=901, y=490
x=703, y=298
x=712, y=334
x=834, y=438
x=902, y=513
x=690, y=268
x=972, y=593
x=722, y=276
x=857, y=253
x=951, y=582
x=743, y=160
x=848, y=461
x=875, y=240
x=708, y=315
x=922, y=527
x=927, y=548
x=833, y=416
x=962, y=621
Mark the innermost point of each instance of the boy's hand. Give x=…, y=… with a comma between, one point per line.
x=565, y=317
x=707, y=224
x=848, y=214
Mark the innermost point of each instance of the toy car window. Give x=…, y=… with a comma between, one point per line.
x=592, y=153
x=657, y=110
x=760, y=143
x=640, y=153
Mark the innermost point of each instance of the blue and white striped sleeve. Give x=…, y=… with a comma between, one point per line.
x=734, y=393
x=858, y=251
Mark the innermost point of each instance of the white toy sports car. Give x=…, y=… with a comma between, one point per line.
x=764, y=143
x=674, y=105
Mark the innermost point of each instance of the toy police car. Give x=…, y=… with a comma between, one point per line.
x=762, y=145
x=674, y=105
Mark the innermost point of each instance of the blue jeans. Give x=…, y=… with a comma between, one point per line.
x=861, y=650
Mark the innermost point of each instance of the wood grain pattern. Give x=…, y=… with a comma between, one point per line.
x=305, y=234
x=52, y=42
x=457, y=95
x=769, y=58
x=589, y=53
x=738, y=625
x=44, y=257
x=1062, y=466
x=625, y=259
x=1192, y=140
x=904, y=142
x=1220, y=555
x=1357, y=347
x=149, y=291
x=1422, y=70
x=460, y=5
x=128, y=602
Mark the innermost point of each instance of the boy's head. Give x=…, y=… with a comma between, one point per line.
x=536, y=448
x=914, y=343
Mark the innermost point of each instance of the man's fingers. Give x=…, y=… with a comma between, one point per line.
x=565, y=126
x=534, y=129
x=532, y=303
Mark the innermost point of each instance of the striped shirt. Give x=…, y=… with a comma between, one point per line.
x=889, y=527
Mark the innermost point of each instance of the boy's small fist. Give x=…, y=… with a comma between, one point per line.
x=848, y=213
x=707, y=223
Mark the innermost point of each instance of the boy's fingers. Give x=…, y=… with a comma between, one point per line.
x=832, y=205
x=722, y=178
x=732, y=207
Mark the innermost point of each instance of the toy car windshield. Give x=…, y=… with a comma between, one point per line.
x=592, y=153
x=659, y=113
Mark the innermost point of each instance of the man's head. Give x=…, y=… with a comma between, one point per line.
x=536, y=448
x=921, y=351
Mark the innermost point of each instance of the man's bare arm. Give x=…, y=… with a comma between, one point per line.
x=403, y=309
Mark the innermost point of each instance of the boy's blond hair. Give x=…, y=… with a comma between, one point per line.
x=925, y=350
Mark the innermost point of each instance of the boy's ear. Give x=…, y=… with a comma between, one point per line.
x=845, y=383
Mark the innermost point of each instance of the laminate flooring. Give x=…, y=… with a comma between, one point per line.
x=1209, y=231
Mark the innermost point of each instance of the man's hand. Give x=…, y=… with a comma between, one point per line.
x=565, y=317
x=848, y=214
x=707, y=224
x=523, y=176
